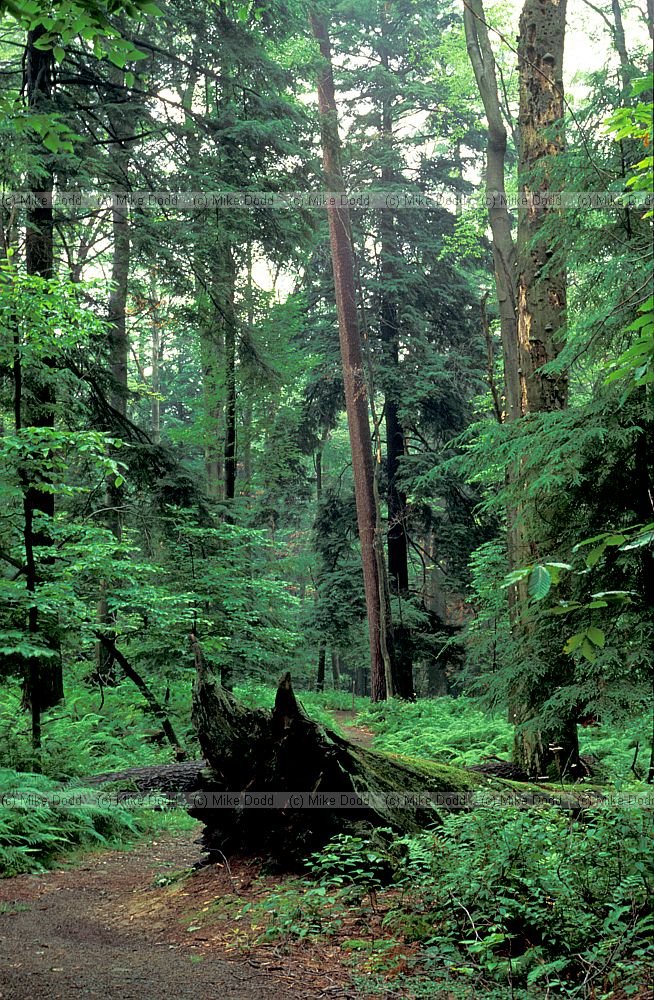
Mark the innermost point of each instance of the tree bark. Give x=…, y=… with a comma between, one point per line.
x=356, y=399
x=504, y=252
x=155, y=360
x=229, y=320
x=336, y=670
x=541, y=284
x=541, y=316
x=119, y=129
x=322, y=655
x=44, y=681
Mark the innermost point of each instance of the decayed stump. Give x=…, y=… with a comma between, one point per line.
x=256, y=753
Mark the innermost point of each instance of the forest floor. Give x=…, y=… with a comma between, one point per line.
x=126, y=924
x=115, y=928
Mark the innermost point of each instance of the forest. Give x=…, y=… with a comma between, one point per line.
x=326, y=499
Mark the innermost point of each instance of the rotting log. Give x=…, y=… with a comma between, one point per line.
x=182, y=778
x=261, y=754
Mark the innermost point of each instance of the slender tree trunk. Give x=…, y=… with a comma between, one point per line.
x=353, y=372
x=36, y=400
x=120, y=129
x=230, y=379
x=396, y=537
x=155, y=361
x=211, y=352
x=320, y=680
x=336, y=670
x=504, y=253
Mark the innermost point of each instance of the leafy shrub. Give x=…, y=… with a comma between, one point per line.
x=533, y=899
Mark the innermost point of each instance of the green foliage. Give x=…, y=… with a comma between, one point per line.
x=452, y=730
x=463, y=731
x=95, y=732
x=534, y=900
x=35, y=830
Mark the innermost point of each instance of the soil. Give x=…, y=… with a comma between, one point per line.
x=357, y=734
x=108, y=929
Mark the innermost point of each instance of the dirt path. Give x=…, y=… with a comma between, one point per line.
x=105, y=929
x=357, y=734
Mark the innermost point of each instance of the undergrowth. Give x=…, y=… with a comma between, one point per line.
x=458, y=731
x=39, y=822
x=528, y=904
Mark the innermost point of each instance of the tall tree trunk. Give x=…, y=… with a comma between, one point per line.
x=504, y=253
x=120, y=129
x=356, y=400
x=541, y=316
x=155, y=361
x=211, y=353
x=396, y=537
x=35, y=394
x=230, y=377
x=541, y=287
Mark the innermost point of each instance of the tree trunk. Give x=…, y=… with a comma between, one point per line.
x=336, y=670
x=356, y=400
x=229, y=320
x=120, y=130
x=322, y=654
x=541, y=316
x=541, y=286
x=36, y=396
x=396, y=537
x=155, y=360
x=504, y=254
x=211, y=351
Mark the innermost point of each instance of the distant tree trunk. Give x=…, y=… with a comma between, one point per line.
x=230, y=379
x=320, y=680
x=120, y=126
x=155, y=360
x=36, y=396
x=541, y=316
x=353, y=371
x=120, y=129
x=211, y=351
x=336, y=670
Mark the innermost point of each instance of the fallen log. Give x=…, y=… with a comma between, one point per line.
x=280, y=785
x=173, y=779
